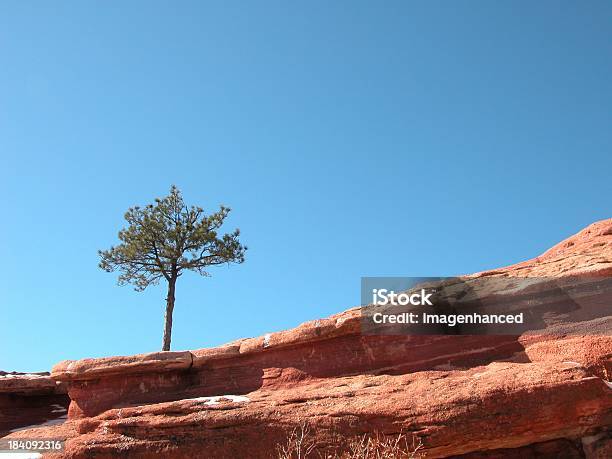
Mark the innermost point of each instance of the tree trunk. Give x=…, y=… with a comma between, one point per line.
x=168, y=317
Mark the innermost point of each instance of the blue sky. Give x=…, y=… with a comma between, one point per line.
x=350, y=139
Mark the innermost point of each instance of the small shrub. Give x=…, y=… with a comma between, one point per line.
x=299, y=444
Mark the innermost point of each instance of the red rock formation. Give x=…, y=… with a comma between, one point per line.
x=30, y=399
x=542, y=394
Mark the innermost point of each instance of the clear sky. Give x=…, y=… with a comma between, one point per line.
x=350, y=139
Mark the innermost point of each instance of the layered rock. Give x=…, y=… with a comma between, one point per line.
x=30, y=399
x=540, y=393
x=256, y=367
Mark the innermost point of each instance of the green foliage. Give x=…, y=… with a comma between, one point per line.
x=164, y=239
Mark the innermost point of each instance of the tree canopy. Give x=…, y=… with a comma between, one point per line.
x=164, y=239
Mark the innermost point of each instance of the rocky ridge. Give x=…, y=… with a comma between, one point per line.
x=534, y=395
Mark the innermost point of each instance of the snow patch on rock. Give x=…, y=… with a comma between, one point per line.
x=21, y=455
x=23, y=376
x=218, y=398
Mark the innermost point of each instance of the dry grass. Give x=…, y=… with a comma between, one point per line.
x=380, y=446
x=300, y=445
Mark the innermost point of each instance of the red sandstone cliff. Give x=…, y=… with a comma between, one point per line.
x=535, y=395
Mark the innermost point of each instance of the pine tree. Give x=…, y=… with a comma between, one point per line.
x=163, y=240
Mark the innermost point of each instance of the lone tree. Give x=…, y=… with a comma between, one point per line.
x=164, y=239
